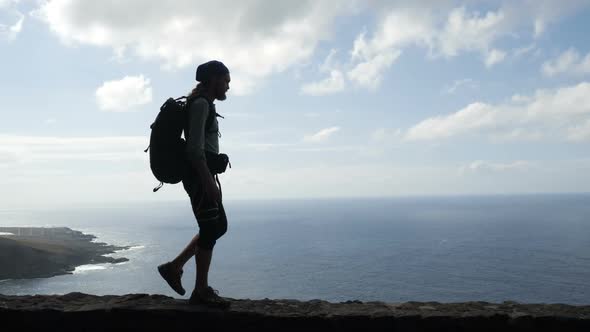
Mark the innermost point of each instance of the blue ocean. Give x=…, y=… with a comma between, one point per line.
x=524, y=248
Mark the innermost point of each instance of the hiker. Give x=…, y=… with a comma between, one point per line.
x=202, y=149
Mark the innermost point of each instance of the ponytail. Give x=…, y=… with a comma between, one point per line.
x=197, y=90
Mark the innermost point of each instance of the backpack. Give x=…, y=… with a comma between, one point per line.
x=166, y=148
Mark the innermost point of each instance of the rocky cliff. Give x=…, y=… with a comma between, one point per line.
x=142, y=312
x=38, y=252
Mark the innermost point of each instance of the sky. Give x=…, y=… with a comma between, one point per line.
x=328, y=98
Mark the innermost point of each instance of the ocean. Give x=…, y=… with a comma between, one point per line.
x=523, y=248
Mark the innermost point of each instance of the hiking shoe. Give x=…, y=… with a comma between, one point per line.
x=172, y=277
x=210, y=298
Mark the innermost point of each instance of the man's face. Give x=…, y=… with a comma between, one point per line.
x=221, y=87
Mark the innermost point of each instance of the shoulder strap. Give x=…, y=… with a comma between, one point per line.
x=210, y=116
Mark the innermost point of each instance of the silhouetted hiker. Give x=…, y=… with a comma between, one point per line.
x=202, y=152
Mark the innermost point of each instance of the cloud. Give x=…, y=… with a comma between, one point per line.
x=545, y=12
x=517, y=134
x=553, y=110
x=446, y=30
x=42, y=149
x=369, y=73
x=453, y=87
x=494, y=56
x=125, y=94
x=472, y=117
x=579, y=132
x=442, y=30
x=7, y=4
x=11, y=20
x=370, y=58
x=312, y=114
x=470, y=31
x=330, y=85
x=330, y=62
x=524, y=50
x=485, y=167
x=8, y=158
x=385, y=135
x=321, y=135
x=255, y=38
x=568, y=62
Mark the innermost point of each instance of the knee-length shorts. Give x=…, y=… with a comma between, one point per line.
x=210, y=216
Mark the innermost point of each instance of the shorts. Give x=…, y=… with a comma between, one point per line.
x=210, y=216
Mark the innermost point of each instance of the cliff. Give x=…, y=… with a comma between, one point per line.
x=36, y=252
x=142, y=312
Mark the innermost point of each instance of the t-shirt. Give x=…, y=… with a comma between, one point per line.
x=197, y=140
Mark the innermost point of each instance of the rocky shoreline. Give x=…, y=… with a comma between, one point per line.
x=38, y=252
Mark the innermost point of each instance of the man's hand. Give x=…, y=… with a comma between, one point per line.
x=211, y=196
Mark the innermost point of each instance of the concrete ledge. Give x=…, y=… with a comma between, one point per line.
x=143, y=312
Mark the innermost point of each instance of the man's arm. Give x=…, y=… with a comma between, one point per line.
x=195, y=147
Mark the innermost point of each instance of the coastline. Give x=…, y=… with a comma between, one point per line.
x=39, y=252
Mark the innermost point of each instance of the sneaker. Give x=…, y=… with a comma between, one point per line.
x=210, y=297
x=172, y=277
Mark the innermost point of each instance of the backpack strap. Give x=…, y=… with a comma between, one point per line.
x=210, y=116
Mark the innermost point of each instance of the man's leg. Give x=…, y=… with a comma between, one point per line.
x=192, y=248
x=203, y=260
x=188, y=252
x=213, y=225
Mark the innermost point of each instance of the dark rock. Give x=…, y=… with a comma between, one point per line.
x=144, y=312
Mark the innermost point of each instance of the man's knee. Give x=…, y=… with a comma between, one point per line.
x=222, y=229
x=211, y=227
x=206, y=243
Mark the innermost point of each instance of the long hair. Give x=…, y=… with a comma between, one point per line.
x=198, y=90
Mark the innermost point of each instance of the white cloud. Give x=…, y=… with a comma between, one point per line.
x=443, y=30
x=466, y=31
x=125, y=94
x=384, y=135
x=472, y=117
x=8, y=3
x=524, y=50
x=330, y=85
x=321, y=135
x=254, y=38
x=485, y=167
x=569, y=62
x=42, y=149
x=312, y=114
x=546, y=110
x=544, y=12
x=400, y=27
x=8, y=158
x=517, y=134
x=448, y=31
x=494, y=56
x=330, y=62
x=539, y=27
x=11, y=20
x=369, y=73
x=397, y=29
x=453, y=87
x=579, y=132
